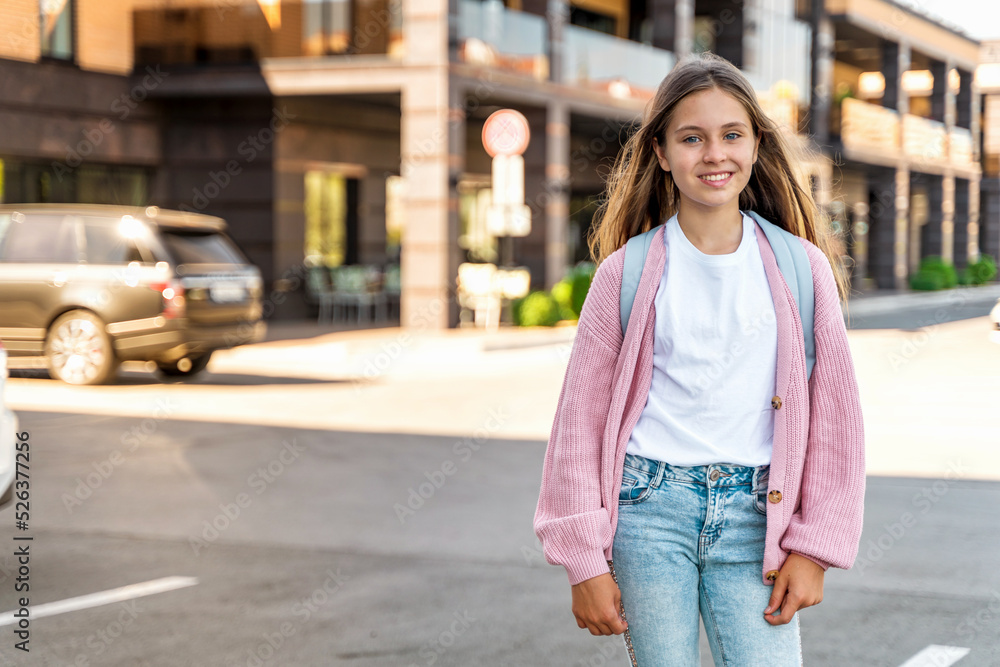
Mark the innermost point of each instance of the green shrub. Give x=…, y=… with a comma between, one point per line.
x=926, y=280
x=538, y=309
x=580, y=277
x=981, y=271
x=562, y=292
x=942, y=267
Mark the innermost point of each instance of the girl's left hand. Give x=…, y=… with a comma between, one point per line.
x=799, y=585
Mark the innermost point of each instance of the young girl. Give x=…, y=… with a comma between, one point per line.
x=695, y=466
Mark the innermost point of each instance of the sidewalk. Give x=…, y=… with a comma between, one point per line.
x=888, y=301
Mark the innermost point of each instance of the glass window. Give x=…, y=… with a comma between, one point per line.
x=195, y=247
x=326, y=218
x=106, y=245
x=57, y=28
x=45, y=239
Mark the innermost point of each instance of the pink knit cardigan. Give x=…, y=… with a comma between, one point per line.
x=817, y=461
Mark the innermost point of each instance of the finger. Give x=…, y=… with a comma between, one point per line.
x=579, y=623
x=777, y=595
x=788, y=609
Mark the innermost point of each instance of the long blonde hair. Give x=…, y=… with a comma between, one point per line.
x=641, y=195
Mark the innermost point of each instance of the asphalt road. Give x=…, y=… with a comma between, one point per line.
x=278, y=506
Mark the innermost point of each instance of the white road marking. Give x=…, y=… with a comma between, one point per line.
x=102, y=598
x=936, y=655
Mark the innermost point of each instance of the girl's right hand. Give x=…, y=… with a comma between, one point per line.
x=596, y=605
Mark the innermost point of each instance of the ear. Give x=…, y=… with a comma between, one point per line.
x=756, y=147
x=662, y=158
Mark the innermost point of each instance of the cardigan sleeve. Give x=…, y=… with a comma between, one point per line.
x=570, y=519
x=827, y=525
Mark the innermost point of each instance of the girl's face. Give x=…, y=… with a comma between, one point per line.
x=709, y=150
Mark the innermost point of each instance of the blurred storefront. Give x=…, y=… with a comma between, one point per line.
x=348, y=132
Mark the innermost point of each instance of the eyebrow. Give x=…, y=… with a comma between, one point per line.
x=688, y=128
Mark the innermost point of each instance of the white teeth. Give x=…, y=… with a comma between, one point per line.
x=718, y=177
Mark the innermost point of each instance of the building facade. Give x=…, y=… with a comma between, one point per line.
x=349, y=131
x=899, y=119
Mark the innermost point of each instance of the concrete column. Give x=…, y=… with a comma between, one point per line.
x=887, y=201
x=974, y=239
x=963, y=101
x=427, y=151
x=663, y=15
x=558, y=15
x=948, y=217
x=989, y=217
x=557, y=180
x=895, y=61
x=684, y=28
x=859, y=243
x=821, y=74
x=531, y=250
x=940, y=93
x=931, y=233
x=962, y=224
x=902, y=224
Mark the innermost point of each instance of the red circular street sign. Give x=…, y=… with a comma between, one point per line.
x=505, y=132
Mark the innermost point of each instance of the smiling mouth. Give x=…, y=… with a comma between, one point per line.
x=715, y=178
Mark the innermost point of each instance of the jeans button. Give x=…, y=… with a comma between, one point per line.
x=714, y=475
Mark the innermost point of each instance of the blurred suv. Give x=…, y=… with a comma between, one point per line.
x=85, y=287
x=8, y=429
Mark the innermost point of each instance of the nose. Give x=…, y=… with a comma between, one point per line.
x=714, y=151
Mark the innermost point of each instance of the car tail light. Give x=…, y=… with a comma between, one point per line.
x=172, y=293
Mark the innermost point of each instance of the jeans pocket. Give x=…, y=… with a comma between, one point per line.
x=635, y=487
x=760, y=492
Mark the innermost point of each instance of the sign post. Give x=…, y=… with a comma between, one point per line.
x=505, y=137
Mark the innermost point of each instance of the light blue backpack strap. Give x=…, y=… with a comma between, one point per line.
x=793, y=262
x=636, y=250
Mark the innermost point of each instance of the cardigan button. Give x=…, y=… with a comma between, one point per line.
x=772, y=575
x=774, y=496
x=776, y=402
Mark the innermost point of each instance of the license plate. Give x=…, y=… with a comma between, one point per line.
x=228, y=293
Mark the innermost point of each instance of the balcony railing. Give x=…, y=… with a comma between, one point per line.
x=247, y=31
x=492, y=35
x=617, y=66
x=872, y=129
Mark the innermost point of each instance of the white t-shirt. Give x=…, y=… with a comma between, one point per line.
x=714, y=356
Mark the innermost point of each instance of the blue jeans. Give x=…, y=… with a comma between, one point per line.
x=690, y=540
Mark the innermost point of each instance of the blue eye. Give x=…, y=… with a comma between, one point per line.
x=734, y=135
x=692, y=137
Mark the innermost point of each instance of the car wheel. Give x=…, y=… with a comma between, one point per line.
x=79, y=349
x=182, y=369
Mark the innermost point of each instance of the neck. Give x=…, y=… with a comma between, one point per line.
x=713, y=231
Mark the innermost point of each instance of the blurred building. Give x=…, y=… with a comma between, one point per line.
x=896, y=109
x=349, y=131
x=988, y=80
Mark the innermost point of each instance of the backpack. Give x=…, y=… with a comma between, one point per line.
x=793, y=263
